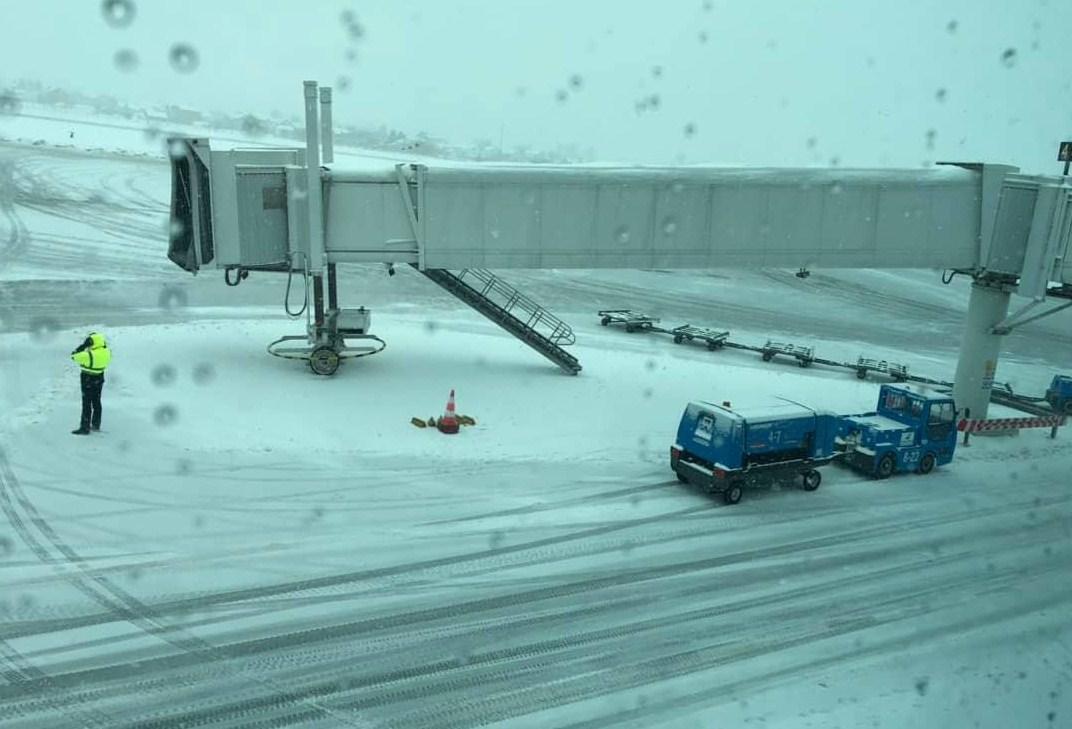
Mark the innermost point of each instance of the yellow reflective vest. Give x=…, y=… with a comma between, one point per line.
x=96, y=358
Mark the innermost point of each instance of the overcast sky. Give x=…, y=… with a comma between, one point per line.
x=761, y=82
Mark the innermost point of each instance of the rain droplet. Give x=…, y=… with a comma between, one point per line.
x=343, y=83
x=118, y=13
x=930, y=138
x=1008, y=58
x=576, y=81
x=836, y=188
x=152, y=133
x=175, y=229
x=9, y=103
x=183, y=58
x=951, y=26
x=677, y=188
x=940, y=95
x=184, y=467
x=521, y=91
x=176, y=149
x=163, y=375
x=561, y=96
x=495, y=539
x=812, y=141
x=654, y=101
x=647, y=392
x=669, y=226
x=172, y=298
x=125, y=60
x=690, y=130
x=204, y=373
x=351, y=55
x=494, y=232
x=657, y=71
x=431, y=326
x=621, y=234
x=650, y=365
x=707, y=5
x=835, y=161
x=165, y=415
x=7, y=547
x=703, y=36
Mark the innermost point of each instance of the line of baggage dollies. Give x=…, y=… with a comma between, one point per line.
x=914, y=427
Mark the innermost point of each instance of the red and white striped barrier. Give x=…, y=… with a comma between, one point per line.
x=978, y=426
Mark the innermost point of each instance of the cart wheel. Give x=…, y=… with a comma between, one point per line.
x=605, y=321
x=768, y=356
x=1066, y=407
x=678, y=339
x=712, y=346
x=811, y=479
x=630, y=328
x=681, y=478
x=926, y=464
x=804, y=362
x=861, y=374
x=324, y=360
x=886, y=466
x=732, y=494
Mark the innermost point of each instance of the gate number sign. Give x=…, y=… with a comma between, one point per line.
x=1065, y=153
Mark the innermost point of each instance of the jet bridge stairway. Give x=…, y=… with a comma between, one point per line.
x=511, y=310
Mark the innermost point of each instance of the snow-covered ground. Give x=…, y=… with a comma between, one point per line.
x=248, y=544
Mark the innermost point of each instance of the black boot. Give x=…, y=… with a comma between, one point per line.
x=80, y=431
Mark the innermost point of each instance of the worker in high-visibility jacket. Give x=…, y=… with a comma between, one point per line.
x=93, y=356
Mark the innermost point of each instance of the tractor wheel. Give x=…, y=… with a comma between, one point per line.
x=886, y=466
x=324, y=360
x=811, y=479
x=605, y=321
x=1066, y=407
x=926, y=464
x=732, y=494
x=861, y=374
x=681, y=478
x=768, y=356
x=678, y=339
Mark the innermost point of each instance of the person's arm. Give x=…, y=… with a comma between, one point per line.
x=84, y=345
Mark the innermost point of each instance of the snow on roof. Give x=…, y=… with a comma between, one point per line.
x=780, y=409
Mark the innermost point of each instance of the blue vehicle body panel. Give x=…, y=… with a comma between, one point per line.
x=910, y=423
x=1059, y=394
x=735, y=439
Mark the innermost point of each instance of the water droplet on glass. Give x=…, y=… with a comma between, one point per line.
x=495, y=539
x=650, y=365
x=172, y=297
x=647, y=392
x=151, y=133
x=1008, y=58
x=654, y=101
x=669, y=226
x=204, y=373
x=175, y=229
x=951, y=26
x=9, y=103
x=836, y=188
x=677, y=188
x=621, y=234
x=165, y=415
x=351, y=55
x=163, y=375
x=343, y=83
x=125, y=60
x=657, y=71
x=176, y=149
x=561, y=96
x=931, y=133
x=576, y=81
x=431, y=326
x=707, y=5
x=184, y=467
x=7, y=547
x=835, y=161
x=118, y=13
x=812, y=141
x=183, y=58
x=690, y=130
x=940, y=95
x=494, y=232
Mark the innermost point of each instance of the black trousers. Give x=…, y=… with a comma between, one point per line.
x=91, y=404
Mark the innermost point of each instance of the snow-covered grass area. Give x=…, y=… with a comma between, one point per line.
x=246, y=541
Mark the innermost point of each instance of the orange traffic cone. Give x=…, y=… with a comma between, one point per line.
x=449, y=422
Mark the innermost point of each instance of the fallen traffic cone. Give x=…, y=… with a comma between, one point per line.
x=449, y=422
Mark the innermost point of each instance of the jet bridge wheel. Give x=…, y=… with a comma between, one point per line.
x=324, y=360
x=811, y=480
x=1066, y=407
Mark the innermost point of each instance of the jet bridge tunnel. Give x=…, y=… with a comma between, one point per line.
x=289, y=210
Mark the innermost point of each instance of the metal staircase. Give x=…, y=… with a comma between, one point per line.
x=510, y=309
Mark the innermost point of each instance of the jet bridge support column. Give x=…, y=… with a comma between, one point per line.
x=980, y=347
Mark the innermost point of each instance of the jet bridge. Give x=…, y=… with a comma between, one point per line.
x=289, y=210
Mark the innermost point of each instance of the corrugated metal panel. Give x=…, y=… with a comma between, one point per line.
x=503, y=217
